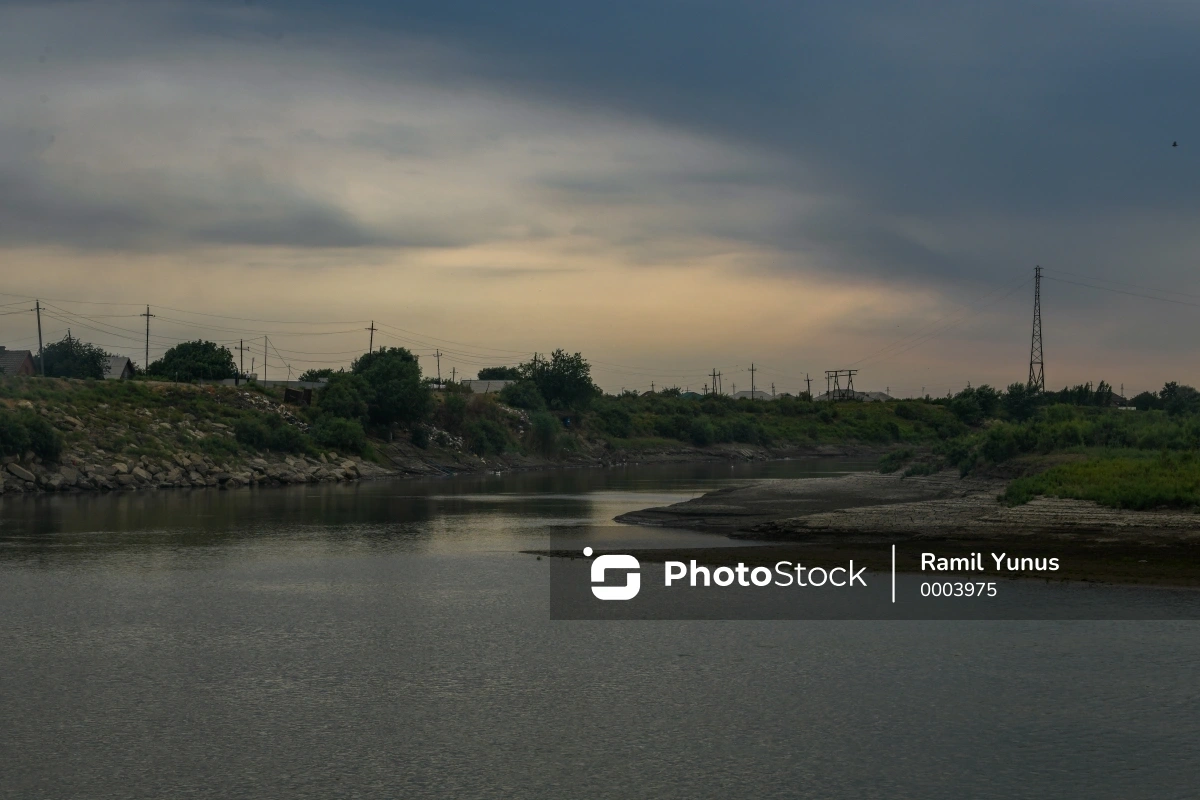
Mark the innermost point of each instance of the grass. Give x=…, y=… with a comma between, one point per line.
x=895, y=459
x=1169, y=480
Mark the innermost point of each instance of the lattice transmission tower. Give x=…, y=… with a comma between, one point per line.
x=1037, y=374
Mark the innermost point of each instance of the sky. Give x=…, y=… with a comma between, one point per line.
x=667, y=187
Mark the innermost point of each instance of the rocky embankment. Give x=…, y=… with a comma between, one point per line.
x=182, y=470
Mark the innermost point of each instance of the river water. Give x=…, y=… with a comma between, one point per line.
x=389, y=640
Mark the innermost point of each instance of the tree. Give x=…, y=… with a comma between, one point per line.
x=499, y=374
x=523, y=394
x=1179, y=399
x=345, y=395
x=1146, y=401
x=73, y=358
x=314, y=375
x=397, y=395
x=1020, y=401
x=564, y=380
x=198, y=360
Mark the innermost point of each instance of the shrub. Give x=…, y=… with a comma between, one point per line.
x=251, y=433
x=452, y=412
x=14, y=438
x=420, y=437
x=523, y=394
x=270, y=434
x=44, y=440
x=895, y=459
x=486, y=437
x=920, y=468
x=286, y=439
x=345, y=395
x=613, y=419
x=701, y=433
x=544, y=433
x=341, y=435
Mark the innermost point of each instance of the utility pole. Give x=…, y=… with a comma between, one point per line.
x=41, y=353
x=371, y=344
x=147, y=315
x=452, y=369
x=1037, y=374
x=808, y=381
x=651, y=387
x=752, y=396
x=264, y=359
x=772, y=390
x=714, y=379
x=241, y=359
x=735, y=388
x=720, y=384
x=438, y=355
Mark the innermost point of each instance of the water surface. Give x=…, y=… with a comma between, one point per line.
x=388, y=640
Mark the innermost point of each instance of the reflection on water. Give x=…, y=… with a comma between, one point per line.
x=386, y=640
x=446, y=514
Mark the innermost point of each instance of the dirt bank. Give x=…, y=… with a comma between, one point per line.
x=854, y=515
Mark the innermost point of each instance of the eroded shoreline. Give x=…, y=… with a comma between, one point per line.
x=861, y=515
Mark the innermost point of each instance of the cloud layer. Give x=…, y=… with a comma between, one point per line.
x=873, y=166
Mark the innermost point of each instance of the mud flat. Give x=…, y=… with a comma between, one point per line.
x=855, y=515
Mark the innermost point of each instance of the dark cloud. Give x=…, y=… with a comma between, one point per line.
x=952, y=142
x=1016, y=110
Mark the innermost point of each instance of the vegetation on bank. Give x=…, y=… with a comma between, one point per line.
x=1119, y=457
x=1166, y=480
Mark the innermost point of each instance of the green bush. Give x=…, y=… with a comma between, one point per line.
x=420, y=437
x=342, y=435
x=895, y=459
x=22, y=432
x=251, y=433
x=44, y=440
x=613, y=419
x=272, y=433
x=344, y=395
x=14, y=437
x=286, y=438
x=1165, y=481
x=452, y=412
x=920, y=468
x=544, y=431
x=523, y=394
x=486, y=437
x=701, y=433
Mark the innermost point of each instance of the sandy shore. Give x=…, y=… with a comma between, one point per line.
x=855, y=514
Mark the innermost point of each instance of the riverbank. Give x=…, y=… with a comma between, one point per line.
x=132, y=436
x=860, y=515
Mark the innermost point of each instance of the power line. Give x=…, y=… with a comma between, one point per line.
x=920, y=336
x=1122, y=291
x=1120, y=283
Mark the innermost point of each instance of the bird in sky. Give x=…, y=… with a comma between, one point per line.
x=1174, y=144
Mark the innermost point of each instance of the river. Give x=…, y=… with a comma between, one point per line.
x=388, y=640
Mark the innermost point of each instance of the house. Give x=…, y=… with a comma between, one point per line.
x=118, y=368
x=485, y=387
x=757, y=394
x=15, y=362
x=850, y=394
